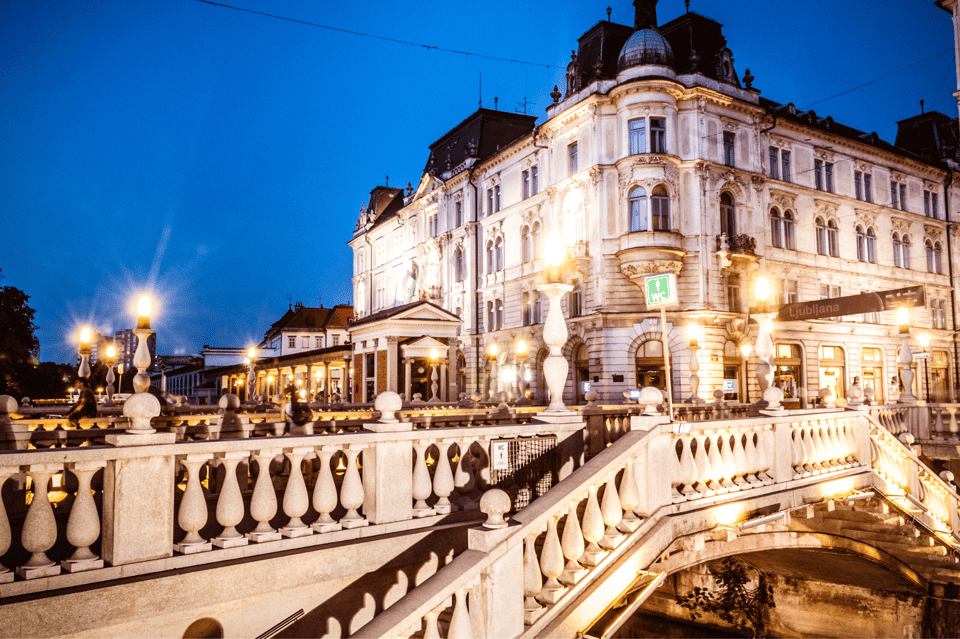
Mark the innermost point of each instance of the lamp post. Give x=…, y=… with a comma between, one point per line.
x=555, y=328
x=764, y=343
x=906, y=358
x=251, y=378
x=84, y=352
x=924, y=339
x=694, y=333
x=111, y=353
x=745, y=350
x=141, y=358
x=434, y=359
x=492, y=352
x=521, y=370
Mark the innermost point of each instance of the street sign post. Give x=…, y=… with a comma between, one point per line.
x=660, y=290
x=853, y=304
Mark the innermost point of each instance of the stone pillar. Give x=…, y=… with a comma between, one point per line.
x=387, y=469
x=497, y=601
x=326, y=383
x=138, y=509
x=311, y=384
x=407, y=371
x=392, y=361
x=444, y=364
x=346, y=390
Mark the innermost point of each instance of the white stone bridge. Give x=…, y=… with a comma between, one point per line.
x=368, y=534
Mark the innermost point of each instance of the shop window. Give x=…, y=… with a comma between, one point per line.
x=788, y=372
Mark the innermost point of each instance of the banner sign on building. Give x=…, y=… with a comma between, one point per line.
x=853, y=304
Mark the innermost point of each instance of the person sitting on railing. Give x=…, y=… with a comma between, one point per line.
x=86, y=405
x=299, y=412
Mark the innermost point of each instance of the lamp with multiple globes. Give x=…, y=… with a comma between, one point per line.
x=84, y=352
x=141, y=358
x=111, y=355
x=555, y=333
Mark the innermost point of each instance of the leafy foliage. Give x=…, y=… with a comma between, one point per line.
x=19, y=345
x=732, y=601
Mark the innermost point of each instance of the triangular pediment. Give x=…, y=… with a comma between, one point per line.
x=425, y=312
x=428, y=184
x=422, y=346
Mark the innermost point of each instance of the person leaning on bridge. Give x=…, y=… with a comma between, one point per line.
x=86, y=405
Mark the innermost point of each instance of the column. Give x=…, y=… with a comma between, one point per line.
x=443, y=364
x=311, y=384
x=407, y=370
x=326, y=383
x=346, y=384
x=392, y=362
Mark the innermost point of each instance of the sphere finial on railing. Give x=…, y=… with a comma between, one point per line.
x=495, y=503
x=650, y=398
x=388, y=403
x=773, y=396
x=141, y=408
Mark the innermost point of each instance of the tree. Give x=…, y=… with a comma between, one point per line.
x=745, y=609
x=19, y=346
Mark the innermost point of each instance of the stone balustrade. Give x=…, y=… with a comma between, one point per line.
x=157, y=507
x=519, y=579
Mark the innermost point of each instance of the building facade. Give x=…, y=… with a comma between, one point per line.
x=660, y=157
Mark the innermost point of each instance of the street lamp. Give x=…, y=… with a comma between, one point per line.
x=764, y=343
x=84, y=352
x=924, y=339
x=251, y=378
x=111, y=353
x=492, y=352
x=141, y=358
x=694, y=332
x=906, y=358
x=555, y=328
x=745, y=350
x=434, y=360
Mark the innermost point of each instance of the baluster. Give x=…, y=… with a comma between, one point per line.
x=422, y=487
x=430, y=630
x=629, y=498
x=953, y=428
x=809, y=452
x=295, y=499
x=443, y=478
x=687, y=475
x=703, y=464
x=592, y=530
x=551, y=565
x=820, y=455
x=741, y=467
x=855, y=456
x=325, y=493
x=351, y=491
x=716, y=465
x=572, y=546
x=6, y=537
x=40, y=526
x=938, y=423
x=532, y=581
x=263, y=503
x=833, y=443
x=464, y=480
x=460, y=627
x=83, y=526
x=230, y=501
x=753, y=458
x=193, y=506
x=612, y=514
x=728, y=461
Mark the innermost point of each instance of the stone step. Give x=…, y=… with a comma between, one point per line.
x=902, y=550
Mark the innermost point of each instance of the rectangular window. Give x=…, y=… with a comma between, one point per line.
x=572, y=158
x=926, y=203
x=319, y=342
x=774, y=163
x=733, y=293
x=526, y=184
x=785, y=166
x=534, y=174
x=729, y=148
x=496, y=198
x=306, y=341
x=432, y=224
x=818, y=174
x=934, y=209
x=489, y=201
x=823, y=176
x=788, y=293
x=292, y=341
x=537, y=307
x=499, y=314
x=867, y=188
x=828, y=176
x=858, y=185
x=336, y=340
x=638, y=136
x=490, y=319
x=525, y=310
x=930, y=204
x=658, y=135
x=893, y=195
x=458, y=208
x=828, y=291
x=903, y=197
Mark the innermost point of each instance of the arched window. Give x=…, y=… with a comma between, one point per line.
x=526, y=250
x=788, y=235
x=897, y=245
x=905, y=251
x=776, y=228
x=535, y=238
x=871, y=246
x=938, y=258
x=728, y=220
x=638, y=210
x=458, y=264
x=821, y=237
x=490, y=261
x=928, y=249
x=861, y=244
x=660, y=209
x=498, y=254
x=833, y=241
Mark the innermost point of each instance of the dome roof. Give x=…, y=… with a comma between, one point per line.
x=645, y=46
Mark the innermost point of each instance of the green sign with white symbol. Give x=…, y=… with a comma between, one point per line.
x=660, y=289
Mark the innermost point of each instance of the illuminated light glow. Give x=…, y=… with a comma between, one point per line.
x=554, y=250
x=729, y=514
x=143, y=306
x=434, y=355
x=768, y=325
x=924, y=339
x=762, y=289
x=252, y=352
x=746, y=349
x=508, y=375
x=903, y=316
x=111, y=352
x=85, y=336
x=493, y=350
x=838, y=488
x=521, y=347
x=694, y=332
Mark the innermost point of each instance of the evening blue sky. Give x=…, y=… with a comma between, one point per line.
x=218, y=158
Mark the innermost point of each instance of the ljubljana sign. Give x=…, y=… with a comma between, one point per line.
x=660, y=289
x=853, y=304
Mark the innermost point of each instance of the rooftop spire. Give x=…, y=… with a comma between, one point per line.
x=646, y=14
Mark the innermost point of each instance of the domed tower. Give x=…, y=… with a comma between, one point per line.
x=647, y=46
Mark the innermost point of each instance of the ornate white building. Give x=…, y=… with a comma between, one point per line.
x=659, y=156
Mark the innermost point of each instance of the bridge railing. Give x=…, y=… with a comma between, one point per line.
x=566, y=542
x=926, y=422
x=164, y=506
